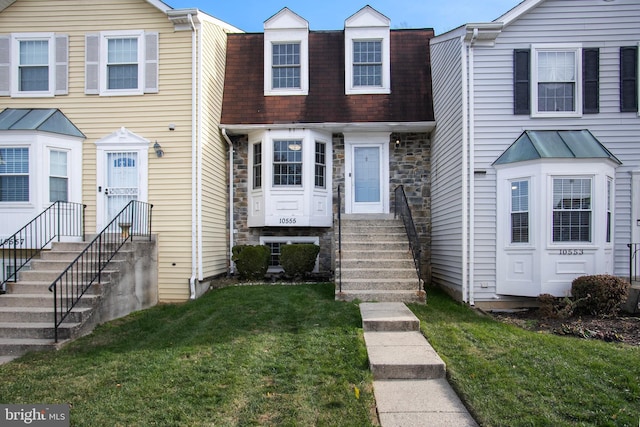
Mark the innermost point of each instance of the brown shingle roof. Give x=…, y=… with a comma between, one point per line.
x=410, y=99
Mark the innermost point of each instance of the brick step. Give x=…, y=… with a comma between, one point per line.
x=381, y=296
x=40, y=314
x=38, y=330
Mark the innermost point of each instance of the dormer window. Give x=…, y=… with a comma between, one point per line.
x=367, y=63
x=367, y=53
x=286, y=54
x=285, y=66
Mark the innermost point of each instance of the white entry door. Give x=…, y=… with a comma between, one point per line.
x=367, y=170
x=121, y=173
x=122, y=181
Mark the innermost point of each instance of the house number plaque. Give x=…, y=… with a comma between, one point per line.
x=570, y=251
x=287, y=221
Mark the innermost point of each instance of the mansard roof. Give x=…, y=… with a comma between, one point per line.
x=410, y=99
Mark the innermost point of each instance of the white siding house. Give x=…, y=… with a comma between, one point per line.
x=536, y=154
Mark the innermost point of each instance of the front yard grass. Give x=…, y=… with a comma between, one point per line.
x=291, y=355
x=512, y=377
x=238, y=356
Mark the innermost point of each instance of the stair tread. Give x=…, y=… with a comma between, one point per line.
x=14, y=309
x=36, y=341
x=36, y=325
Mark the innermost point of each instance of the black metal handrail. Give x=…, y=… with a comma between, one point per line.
x=133, y=220
x=401, y=207
x=58, y=220
x=634, y=261
x=339, y=240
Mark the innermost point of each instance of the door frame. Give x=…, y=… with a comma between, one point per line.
x=366, y=139
x=122, y=140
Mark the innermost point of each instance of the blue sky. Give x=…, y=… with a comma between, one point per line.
x=441, y=15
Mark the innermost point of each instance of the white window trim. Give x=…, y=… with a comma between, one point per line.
x=31, y=146
x=104, y=51
x=290, y=240
x=16, y=38
x=272, y=37
x=51, y=175
x=510, y=242
x=595, y=212
x=577, y=49
x=367, y=34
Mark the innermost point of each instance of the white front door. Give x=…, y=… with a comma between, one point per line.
x=121, y=173
x=367, y=173
x=122, y=181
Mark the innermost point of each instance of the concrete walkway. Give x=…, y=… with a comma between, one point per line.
x=409, y=377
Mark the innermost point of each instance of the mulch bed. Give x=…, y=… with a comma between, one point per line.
x=624, y=329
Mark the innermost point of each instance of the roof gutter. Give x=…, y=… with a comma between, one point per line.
x=231, y=218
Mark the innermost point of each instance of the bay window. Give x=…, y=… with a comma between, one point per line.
x=520, y=211
x=14, y=174
x=287, y=163
x=571, y=210
x=58, y=176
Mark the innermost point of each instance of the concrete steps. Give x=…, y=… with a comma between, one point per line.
x=409, y=384
x=376, y=263
x=26, y=310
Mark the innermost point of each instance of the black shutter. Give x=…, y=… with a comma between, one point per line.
x=629, y=79
x=590, y=80
x=521, y=79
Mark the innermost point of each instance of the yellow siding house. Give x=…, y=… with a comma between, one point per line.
x=129, y=84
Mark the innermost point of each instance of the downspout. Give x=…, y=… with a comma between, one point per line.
x=465, y=101
x=231, y=218
x=472, y=180
x=200, y=161
x=194, y=142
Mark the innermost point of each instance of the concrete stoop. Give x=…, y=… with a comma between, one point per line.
x=376, y=263
x=410, y=385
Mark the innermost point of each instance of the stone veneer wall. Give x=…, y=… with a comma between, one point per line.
x=410, y=166
x=251, y=236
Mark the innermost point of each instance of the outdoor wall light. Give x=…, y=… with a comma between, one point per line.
x=397, y=143
x=158, y=149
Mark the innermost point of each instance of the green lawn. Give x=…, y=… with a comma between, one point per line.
x=512, y=377
x=291, y=355
x=250, y=355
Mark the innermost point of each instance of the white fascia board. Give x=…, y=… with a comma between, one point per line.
x=336, y=127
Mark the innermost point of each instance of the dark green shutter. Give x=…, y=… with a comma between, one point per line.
x=590, y=80
x=521, y=81
x=629, y=79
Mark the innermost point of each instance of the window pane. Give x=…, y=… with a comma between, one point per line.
x=286, y=65
x=58, y=189
x=287, y=163
x=520, y=212
x=257, y=166
x=556, y=81
x=33, y=71
x=571, y=210
x=367, y=63
x=320, y=169
x=122, y=63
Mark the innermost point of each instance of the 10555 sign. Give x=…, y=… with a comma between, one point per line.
x=570, y=251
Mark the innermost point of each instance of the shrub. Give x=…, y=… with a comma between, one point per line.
x=600, y=295
x=251, y=261
x=555, y=308
x=298, y=260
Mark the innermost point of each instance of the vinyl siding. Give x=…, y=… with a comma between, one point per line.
x=593, y=23
x=446, y=167
x=215, y=247
x=169, y=177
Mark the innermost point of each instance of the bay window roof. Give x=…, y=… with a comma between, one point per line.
x=40, y=119
x=555, y=144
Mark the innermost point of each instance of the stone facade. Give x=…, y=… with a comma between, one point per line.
x=409, y=156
